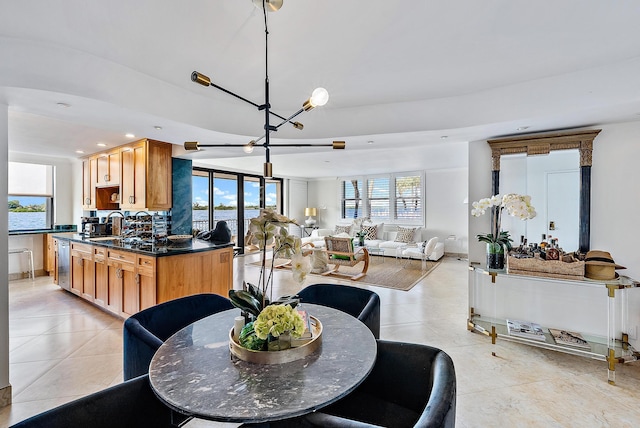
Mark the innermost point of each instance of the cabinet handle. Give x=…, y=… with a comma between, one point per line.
x=106, y=178
x=137, y=279
x=87, y=201
x=119, y=273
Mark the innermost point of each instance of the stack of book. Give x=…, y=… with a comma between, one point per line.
x=528, y=330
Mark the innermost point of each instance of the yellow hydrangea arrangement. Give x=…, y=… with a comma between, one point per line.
x=277, y=319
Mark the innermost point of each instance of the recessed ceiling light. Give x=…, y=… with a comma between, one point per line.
x=63, y=105
x=102, y=145
x=444, y=137
x=369, y=142
x=80, y=152
x=158, y=128
x=129, y=135
x=521, y=128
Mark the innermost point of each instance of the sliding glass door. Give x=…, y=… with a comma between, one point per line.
x=235, y=198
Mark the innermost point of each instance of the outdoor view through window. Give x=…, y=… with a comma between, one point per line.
x=30, y=196
x=225, y=199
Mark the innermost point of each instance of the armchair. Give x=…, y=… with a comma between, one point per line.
x=128, y=404
x=362, y=304
x=410, y=385
x=144, y=332
x=341, y=253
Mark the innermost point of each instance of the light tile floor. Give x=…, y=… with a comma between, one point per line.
x=62, y=348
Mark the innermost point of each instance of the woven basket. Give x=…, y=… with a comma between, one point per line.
x=548, y=268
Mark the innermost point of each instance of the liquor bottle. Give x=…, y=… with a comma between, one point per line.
x=552, y=251
x=543, y=242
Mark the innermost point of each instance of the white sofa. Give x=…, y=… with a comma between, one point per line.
x=387, y=242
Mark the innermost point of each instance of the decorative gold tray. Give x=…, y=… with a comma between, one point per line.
x=279, y=357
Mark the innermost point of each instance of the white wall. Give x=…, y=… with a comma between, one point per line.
x=296, y=197
x=446, y=212
x=4, y=273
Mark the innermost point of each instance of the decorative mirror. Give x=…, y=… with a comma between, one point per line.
x=543, y=144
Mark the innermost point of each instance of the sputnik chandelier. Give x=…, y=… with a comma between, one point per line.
x=319, y=97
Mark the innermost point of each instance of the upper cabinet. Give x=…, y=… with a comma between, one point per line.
x=89, y=174
x=146, y=176
x=108, y=169
x=135, y=176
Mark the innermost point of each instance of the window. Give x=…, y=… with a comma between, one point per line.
x=408, y=206
x=394, y=198
x=30, y=196
x=351, y=198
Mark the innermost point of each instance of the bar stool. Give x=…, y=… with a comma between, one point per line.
x=30, y=253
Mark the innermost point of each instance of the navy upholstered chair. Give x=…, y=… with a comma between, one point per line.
x=411, y=385
x=129, y=404
x=146, y=330
x=362, y=304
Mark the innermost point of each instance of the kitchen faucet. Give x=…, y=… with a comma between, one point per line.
x=119, y=228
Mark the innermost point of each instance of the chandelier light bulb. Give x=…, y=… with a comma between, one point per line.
x=249, y=147
x=319, y=97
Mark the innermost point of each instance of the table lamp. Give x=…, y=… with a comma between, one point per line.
x=310, y=212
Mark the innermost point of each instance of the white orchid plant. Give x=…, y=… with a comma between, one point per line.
x=266, y=229
x=515, y=205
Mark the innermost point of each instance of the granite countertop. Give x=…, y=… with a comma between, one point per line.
x=57, y=229
x=155, y=250
x=194, y=374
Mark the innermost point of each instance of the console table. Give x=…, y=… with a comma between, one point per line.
x=193, y=372
x=599, y=310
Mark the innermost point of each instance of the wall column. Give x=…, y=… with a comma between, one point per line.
x=5, y=387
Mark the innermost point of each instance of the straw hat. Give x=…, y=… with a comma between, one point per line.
x=599, y=265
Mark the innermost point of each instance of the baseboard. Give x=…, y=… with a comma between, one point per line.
x=25, y=275
x=5, y=396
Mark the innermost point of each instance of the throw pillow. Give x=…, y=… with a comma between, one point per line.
x=406, y=235
x=343, y=229
x=371, y=232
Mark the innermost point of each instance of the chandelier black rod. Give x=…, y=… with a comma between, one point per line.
x=205, y=81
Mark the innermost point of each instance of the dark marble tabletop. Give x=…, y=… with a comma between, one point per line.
x=193, y=372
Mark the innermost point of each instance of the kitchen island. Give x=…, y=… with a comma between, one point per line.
x=126, y=278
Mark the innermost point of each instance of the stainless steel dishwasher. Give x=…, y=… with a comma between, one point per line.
x=64, y=262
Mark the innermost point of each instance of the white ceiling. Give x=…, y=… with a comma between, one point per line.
x=401, y=74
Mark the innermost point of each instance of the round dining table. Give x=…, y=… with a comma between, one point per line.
x=194, y=374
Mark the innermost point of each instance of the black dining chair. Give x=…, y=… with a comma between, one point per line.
x=145, y=331
x=131, y=404
x=410, y=385
x=362, y=304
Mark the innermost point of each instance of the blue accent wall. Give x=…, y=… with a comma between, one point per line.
x=181, y=214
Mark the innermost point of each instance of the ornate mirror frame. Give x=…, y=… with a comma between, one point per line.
x=541, y=144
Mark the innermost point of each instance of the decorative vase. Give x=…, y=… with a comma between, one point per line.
x=279, y=343
x=297, y=351
x=495, y=255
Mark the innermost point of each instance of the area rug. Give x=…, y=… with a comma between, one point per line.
x=388, y=272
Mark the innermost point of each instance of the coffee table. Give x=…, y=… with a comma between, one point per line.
x=194, y=374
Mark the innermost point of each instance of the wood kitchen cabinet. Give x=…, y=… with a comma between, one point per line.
x=108, y=169
x=101, y=276
x=124, y=281
x=187, y=274
x=146, y=278
x=123, y=287
x=89, y=180
x=82, y=270
x=55, y=261
x=49, y=257
x=146, y=176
